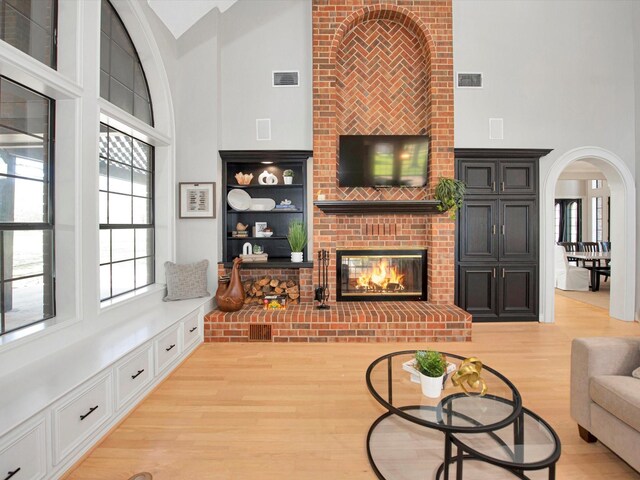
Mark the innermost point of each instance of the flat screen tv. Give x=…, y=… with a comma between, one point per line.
x=383, y=160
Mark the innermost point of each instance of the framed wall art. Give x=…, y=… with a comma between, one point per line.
x=197, y=200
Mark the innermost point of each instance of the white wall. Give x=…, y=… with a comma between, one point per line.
x=560, y=74
x=197, y=115
x=257, y=37
x=636, y=66
x=571, y=189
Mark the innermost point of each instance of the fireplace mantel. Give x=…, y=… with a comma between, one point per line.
x=378, y=207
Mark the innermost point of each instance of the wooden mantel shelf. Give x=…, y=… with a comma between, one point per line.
x=377, y=207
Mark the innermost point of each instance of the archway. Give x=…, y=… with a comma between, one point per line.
x=623, y=230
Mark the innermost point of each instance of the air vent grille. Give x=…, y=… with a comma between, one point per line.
x=260, y=332
x=469, y=80
x=286, y=79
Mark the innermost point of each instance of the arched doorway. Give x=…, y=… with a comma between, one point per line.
x=623, y=230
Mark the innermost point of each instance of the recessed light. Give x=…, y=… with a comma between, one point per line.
x=266, y=163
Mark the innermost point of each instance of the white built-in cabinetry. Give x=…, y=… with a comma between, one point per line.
x=46, y=444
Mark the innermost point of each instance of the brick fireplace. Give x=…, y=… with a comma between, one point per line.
x=378, y=69
x=384, y=69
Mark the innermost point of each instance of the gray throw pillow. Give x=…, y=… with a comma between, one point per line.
x=636, y=373
x=186, y=281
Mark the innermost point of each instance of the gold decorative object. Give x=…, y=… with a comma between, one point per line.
x=469, y=373
x=244, y=178
x=241, y=227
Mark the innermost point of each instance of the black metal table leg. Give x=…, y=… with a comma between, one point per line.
x=459, y=463
x=447, y=455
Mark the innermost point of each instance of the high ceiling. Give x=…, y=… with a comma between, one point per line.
x=180, y=15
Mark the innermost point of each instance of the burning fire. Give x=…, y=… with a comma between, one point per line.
x=381, y=276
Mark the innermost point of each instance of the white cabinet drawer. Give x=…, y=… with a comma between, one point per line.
x=24, y=457
x=191, y=329
x=133, y=374
x=80, y=414
x=167, y=348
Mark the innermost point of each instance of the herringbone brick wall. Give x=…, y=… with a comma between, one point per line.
x=384, y=68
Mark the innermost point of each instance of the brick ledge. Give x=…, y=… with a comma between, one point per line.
x=346, y=322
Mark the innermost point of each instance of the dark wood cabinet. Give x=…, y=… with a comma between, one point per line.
x=519, y=177
x=517, y=292
x=478, y=291
x=518, y=230
x=497, y=234
x=256, y=162
x=478, y=235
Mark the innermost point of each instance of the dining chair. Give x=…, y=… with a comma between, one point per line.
x=589, y=247
x=570, y=247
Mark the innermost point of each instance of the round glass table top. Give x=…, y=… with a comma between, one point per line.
x=393, y=385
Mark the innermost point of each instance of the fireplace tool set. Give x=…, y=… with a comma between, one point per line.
x=322, y=291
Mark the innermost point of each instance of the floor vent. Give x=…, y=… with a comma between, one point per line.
x=260, y=333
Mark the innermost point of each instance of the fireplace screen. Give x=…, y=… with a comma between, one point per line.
x=382, y=274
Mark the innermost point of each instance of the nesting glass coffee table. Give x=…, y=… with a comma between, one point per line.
x=494, y=436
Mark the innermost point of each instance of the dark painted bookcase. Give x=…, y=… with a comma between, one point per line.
x=256, y=162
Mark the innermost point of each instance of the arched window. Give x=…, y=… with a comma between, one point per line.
x=122, y=79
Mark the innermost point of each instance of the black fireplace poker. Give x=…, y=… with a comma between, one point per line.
x=322, y=291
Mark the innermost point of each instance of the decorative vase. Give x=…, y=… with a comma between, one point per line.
x=230, y=298
x=431, y=386
x=288, y=180
x=296, y=257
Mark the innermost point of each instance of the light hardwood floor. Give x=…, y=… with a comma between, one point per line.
x=274, y=411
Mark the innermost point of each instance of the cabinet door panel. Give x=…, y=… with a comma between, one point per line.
x=518, y=177
x=478, y=231
x=518, y=230
x=479, y=176
x=477, y=291
x=517, y=299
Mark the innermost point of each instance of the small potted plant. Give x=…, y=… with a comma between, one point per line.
x=432, y=367
x=288, y=176
x=450, y=192
x=297, y=237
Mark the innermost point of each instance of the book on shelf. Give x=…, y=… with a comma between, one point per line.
x=255, y=257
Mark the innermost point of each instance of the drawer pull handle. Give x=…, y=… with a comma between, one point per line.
x=91, y=410
x=133, y=377
x=11, y=474
x=193, y=329
x=170, y=347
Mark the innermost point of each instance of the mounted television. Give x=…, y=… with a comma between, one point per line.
x=383, y=160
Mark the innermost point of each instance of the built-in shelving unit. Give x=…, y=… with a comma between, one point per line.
x=256, y=162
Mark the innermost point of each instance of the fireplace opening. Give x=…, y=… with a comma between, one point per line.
x=381, y=275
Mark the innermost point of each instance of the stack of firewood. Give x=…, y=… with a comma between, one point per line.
x=255, y=290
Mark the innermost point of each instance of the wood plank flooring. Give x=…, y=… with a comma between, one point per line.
x=302, y=411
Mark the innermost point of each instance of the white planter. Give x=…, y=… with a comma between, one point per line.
x=288, y=180
x=296, y=257
x=431, y=386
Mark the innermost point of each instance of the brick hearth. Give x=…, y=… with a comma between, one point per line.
x=346, y=322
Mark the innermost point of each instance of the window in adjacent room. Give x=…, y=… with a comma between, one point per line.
x=122, y=79
x=30, y=26
x=26, y=207
x=598, y=218
x=126, y=213
x=568, y=220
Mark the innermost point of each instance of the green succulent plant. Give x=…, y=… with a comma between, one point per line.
x=430, y=363
x=450, y=193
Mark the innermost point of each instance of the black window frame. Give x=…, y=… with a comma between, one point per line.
x=129, y=226
x=49, y=179
x=565, y=205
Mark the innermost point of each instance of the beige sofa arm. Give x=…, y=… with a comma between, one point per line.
x=598, y=356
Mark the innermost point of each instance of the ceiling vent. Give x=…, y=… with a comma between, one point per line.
x=286, y=79
x=469, y=80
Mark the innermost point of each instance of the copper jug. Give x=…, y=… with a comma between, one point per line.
x=230, y=297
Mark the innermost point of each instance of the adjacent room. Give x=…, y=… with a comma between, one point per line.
x=311, y=239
